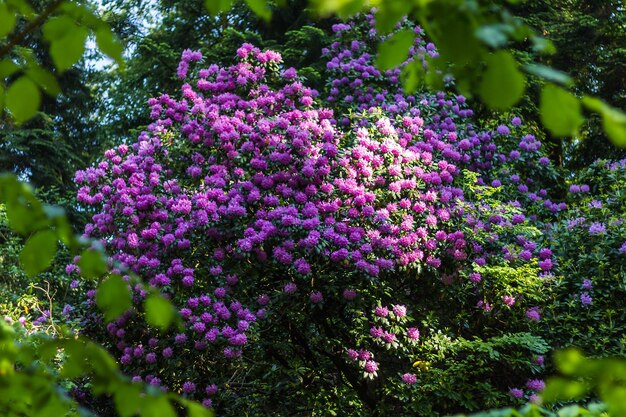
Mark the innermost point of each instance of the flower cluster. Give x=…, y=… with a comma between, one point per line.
x=248, y=199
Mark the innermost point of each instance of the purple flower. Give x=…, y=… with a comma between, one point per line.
x=399, y=310
x=508, y=300
x=316, y=297
x=349, y=294
x=189, y=387
x=535, y=384
x=585, y=299
x=413, y=333
x=370, y=367
x=533, y=314
x=381, y=311
x=597, y=228
x=290, y=288
x=409, y=379
x=516, y=393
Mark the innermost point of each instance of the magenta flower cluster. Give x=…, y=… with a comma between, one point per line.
x=245, y=191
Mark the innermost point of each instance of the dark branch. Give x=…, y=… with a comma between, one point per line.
x=32, y=25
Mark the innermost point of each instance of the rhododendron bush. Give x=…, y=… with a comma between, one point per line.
x=356, y=249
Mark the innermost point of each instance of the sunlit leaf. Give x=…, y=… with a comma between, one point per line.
x=560, y=111
x=502, y=84
x=46, y=81
x=548, y=73
x=412, y=76
x=38, y=252
x=7, y=20
x=613, y=120
x=217, y=6
x=342, y=8
x=394, y=50
x=127, y=400
x=159, y=311
x=260, y=8
x=92, y=264
x=109, y=44
x=113, y=297
x=23, y=99
x=389, y=13
x=561, y=389
x=67, y=50
x=157, y=407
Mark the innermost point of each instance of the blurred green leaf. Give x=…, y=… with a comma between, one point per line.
x=560, y=111
x=113, y=297
x=502, y=84
x=217, y=6
x=67, y=50
x=561, y=389
x=38, y=252
x=159, y=311
x=7, y=68
x=548, y=74
x=157, y=407
x=568, y=361
x=613, y=120
x=412, y=76
x=493, y=35
x=23, y=99
x=92, y=264
x=343, y=8
x=389, y=13
x=260, y=8
x=58, y=27
x=197, y=410
x=7, y=20
x=46, y=81
x=127, y=400
x=394, y=50
x=109, y=44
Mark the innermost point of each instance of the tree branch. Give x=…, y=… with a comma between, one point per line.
x=32, y=25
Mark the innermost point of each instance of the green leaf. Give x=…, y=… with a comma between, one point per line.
x=47, y=82
x=75, y=364
x=217, y=6
x=502, y=84
x=343, y=8
x=260, y=8
x=197, y=410
x=613, y=120
x=412, y=76
x=7, y=20
x=389, y=13
x=561, y=389
x=67, y=50
x=23, y=99
x=92, y=264
x=58, y=27
x=7, y=68
x=394, y=50
x=38, y=252
x=560, y=111
x=493, y=35
x=113, y=297
x=548, y=74
x=127, y=400
x=157, y=407
x=109, y=44
x=159, y=311
x=569, y=361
